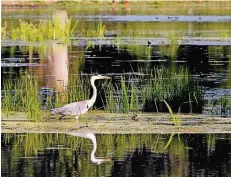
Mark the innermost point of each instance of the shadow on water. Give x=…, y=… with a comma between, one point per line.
x=140, y=155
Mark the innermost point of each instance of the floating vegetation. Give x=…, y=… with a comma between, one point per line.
x=43, y=31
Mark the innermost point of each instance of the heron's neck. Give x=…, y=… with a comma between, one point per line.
x=93, y=98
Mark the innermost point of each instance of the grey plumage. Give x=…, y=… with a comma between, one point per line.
x=76, y=108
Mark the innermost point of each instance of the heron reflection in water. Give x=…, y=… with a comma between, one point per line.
x=92, y=137
x=78, y=108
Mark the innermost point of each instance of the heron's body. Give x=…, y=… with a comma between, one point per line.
x=74, y=109
x=78, y=108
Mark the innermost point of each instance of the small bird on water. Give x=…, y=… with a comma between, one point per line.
x=78, y=108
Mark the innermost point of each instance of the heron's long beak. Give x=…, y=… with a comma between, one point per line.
x=106, y=77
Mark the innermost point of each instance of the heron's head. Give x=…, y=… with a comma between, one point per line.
x=93, y=78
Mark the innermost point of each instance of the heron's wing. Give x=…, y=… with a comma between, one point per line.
x=76, y=108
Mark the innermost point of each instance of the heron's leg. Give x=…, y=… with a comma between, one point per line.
x=61, y=116
x=77, y=118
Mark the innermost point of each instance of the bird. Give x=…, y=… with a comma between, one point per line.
x=78, y=108
x=149, y=43
x=92, y=137
x=135, y=117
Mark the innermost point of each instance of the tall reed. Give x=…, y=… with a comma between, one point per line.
x=148, y=92
x=22, y=95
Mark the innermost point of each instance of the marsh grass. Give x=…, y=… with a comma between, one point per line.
x=132, y=93
x=121, y=97
x=3, y=30
x=225, y=34
x=78, y=88
x=43, y=31
x=22, y=95
x=175, y=43
x=175, y=117
x=99, y=30
x=146, y=92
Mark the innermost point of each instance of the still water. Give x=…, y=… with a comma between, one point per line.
x=79, y=154
x=136, y=42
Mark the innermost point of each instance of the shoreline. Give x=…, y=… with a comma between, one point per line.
x=103, y=123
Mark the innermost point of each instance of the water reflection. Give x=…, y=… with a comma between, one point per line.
x=92, y=137
x=57, y=68
x=133, y=155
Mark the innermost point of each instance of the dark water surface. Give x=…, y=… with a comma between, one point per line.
x=135, y=43
x=131, y=155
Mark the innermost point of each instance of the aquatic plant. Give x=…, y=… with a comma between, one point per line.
x=22, y=95
x=225, y=34
x=43, y=31
x=175, y=117
x=121, y=97
x=99, y=30
x=3, y=30
x=146, y=92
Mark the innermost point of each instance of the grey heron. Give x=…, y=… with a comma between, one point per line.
x=92, y=137
x=78, y=108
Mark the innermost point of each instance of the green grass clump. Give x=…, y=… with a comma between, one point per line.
x=78, y=88
x=43, y=31
x=121, y=97
x=99, y=30
x=146, y=92
x=22, y=96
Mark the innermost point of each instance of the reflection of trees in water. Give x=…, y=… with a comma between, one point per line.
x=132, y=154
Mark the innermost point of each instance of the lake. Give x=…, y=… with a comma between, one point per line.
x=124, y=155
x=178, y=53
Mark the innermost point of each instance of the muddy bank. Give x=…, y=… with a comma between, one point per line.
x=118, y=123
